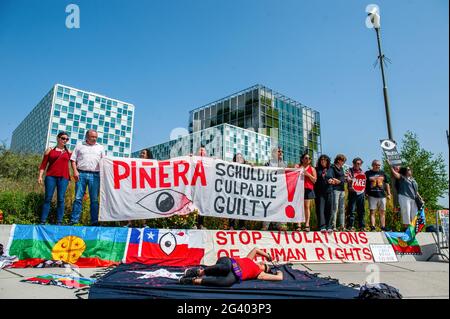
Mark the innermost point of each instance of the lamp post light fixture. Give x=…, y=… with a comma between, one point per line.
x=374, y=20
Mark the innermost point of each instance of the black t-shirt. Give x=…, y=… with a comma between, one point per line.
x=340, y=175
x=376, y=182
x=323, y=175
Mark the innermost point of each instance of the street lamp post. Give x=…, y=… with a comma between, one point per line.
x=375, y=20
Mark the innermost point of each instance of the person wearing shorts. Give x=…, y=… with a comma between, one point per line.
x=309, y=196
x=378, y=191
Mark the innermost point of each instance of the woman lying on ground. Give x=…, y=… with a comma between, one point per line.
x=228, y=271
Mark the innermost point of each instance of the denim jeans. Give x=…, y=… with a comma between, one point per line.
x=338, y=209
x=92, y=181
x=52, y=182
x=358, y=201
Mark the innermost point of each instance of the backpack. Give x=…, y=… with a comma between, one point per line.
x=379, y=291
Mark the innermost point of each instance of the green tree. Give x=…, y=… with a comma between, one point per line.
x=428, y=170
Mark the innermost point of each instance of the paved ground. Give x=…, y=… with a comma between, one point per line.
x=413, y=279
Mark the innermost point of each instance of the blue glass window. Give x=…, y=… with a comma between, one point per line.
x=85, y=102
x=106, y=124
x=103, y=100
x=72, y=97
x=77, y=117
x=78, y=105
x=89, y=119
x=114, y=103
x=71, y=109
x=90, y=108
x=73, y=141
x=56, y=113
x=101, y=123
x=108, y=113
x=83, y=119
x=62, y=121
x=55, y=125
x=57, y=107
x=108, y=102
x=91, y=103
x=106, y=129
x=59, y=95
x=66, y=97
x=110, y=147
x=84, y=113
x=60, y=89
x=80, y=94
x=64, y=108
x=96, y=116
x=54, y=131
x=116, y=143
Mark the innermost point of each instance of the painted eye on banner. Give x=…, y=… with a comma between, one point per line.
x=164, y=202
x=168, y=243
x=388, y=145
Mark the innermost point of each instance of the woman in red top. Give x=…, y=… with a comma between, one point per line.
x=228, y=271
x=56, y=162
x=310, y=179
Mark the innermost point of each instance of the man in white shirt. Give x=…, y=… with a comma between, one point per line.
x=85, y=162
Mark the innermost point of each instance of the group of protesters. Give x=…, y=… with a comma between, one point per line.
x=324, y=185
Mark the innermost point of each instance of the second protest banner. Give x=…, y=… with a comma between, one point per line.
x=141, y=189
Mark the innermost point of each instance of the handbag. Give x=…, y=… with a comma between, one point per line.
x=418, y=199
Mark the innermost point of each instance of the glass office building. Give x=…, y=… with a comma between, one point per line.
x=293, y=126
x=76, y=111
x=221, y=141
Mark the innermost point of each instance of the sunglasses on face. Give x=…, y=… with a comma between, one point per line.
x=358, y=163
x=64, y=138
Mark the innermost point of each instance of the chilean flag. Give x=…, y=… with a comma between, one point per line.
x=164, y=247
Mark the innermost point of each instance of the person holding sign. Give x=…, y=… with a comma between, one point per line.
x=377, y=189
x=276, y=161
x=202, y=153
x=228, y=271
x=310, y=179
x=407, y=194
x=236, y=223
x=356, y=182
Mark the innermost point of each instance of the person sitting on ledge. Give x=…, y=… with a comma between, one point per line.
x=228, y=271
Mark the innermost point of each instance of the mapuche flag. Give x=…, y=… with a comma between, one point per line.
x=406, y=243
x=78, y=245
x=165, y=247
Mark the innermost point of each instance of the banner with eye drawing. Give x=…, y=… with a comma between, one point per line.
x=132, y=189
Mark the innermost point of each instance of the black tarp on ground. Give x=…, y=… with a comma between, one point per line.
x=123, y=283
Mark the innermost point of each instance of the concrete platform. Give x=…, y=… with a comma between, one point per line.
x=413, y=279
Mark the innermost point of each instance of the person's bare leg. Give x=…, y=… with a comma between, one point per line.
x=372, y=217
x=383, y=218
x=307, y=212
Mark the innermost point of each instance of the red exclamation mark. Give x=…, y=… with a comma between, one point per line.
x=291, y=182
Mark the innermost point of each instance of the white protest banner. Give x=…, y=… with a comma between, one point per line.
x=143, y=189
x=311, y=247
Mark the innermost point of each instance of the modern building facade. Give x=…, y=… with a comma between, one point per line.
x=75, y=111
x=221, y=141
x=292, y=125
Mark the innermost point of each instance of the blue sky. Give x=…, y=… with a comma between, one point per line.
x=167, y=57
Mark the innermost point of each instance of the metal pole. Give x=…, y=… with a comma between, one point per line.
x=387, y=109
x=385, y=92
